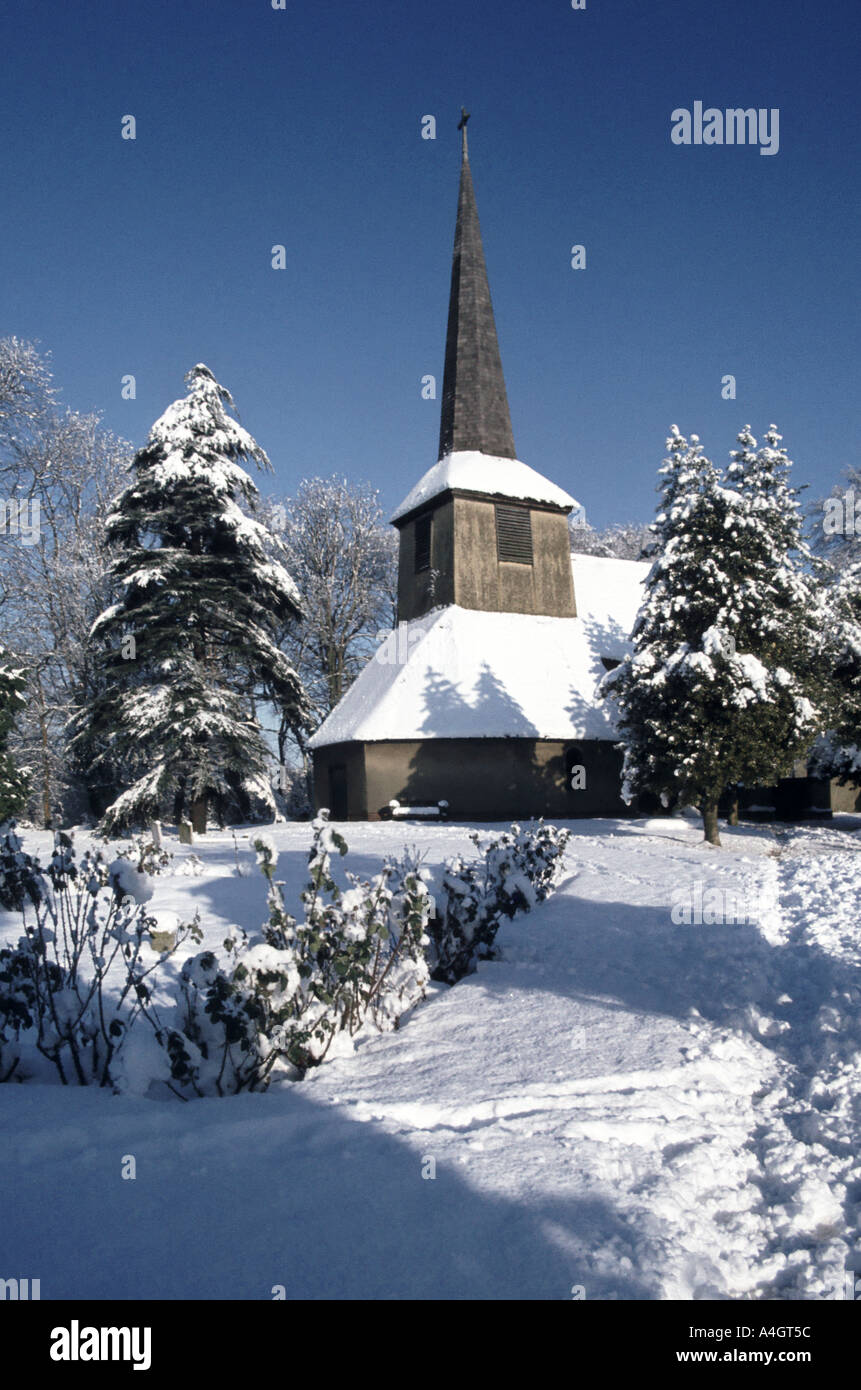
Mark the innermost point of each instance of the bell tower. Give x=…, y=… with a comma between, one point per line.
x=480, y=529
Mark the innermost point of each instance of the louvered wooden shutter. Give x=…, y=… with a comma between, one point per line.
x=514, y=534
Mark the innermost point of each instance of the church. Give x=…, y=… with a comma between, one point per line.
x=482, y=704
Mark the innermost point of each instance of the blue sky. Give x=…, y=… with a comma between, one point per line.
x=302, y=127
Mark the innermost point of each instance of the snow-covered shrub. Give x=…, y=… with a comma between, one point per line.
x=75, y=984
x=147, y=856
x=153, y=859
x=190, y=866
x=831, y=758
x=357, y=957
x=518, y=869
x=21, y=880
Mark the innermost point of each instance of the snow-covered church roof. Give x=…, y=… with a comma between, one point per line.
x=469, y=471
x=463, y=673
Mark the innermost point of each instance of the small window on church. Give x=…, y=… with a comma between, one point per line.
x=423, y=543
x=514, y=534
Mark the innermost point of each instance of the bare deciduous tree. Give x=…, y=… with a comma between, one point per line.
x=52, y=585
x=835, y=522
x=623, y=541
x=344, y=560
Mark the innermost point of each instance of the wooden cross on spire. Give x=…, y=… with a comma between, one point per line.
x=461, y=125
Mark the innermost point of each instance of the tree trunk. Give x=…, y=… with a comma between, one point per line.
x=732, y=818
x=710, y=822
x=179, y=801
x=46, y=762
x=198, y=815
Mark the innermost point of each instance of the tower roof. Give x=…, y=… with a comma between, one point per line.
x=485, y=476
x=475, y=415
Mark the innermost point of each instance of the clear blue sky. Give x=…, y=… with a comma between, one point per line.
x=258, y=126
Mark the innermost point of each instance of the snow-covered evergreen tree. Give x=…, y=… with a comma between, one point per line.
x=717, y=692
x=13, y=784
x=189, y=644
x=839, y=753
x=785, y=590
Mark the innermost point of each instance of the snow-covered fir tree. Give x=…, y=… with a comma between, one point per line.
x=838, y=754
x=188, y=647
x=717, y=691
x=785, y=582
x=13, y=783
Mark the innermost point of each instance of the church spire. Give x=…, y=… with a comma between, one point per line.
x=474, y=402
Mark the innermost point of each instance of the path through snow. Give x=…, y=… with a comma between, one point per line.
x=623, y=1104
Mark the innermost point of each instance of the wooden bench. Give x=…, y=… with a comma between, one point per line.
x=415, y=810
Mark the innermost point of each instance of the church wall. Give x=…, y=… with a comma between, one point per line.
x=846, y=798
x=418, y=593
x=350, y=757
x=485, y=779
x=797, y=797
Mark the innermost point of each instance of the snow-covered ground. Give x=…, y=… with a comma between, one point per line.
x=629, y=1103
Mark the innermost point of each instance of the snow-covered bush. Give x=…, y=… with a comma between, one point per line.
x=518, y=869
x=356, y=958
x=153, y=859
x=147, y=856
x=77, y=981
x=21, y=879
x=75, y=984
x=831, y=758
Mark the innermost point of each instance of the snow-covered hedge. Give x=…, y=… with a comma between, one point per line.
x=517, y=869
x=358, y=957
x=75, y=984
